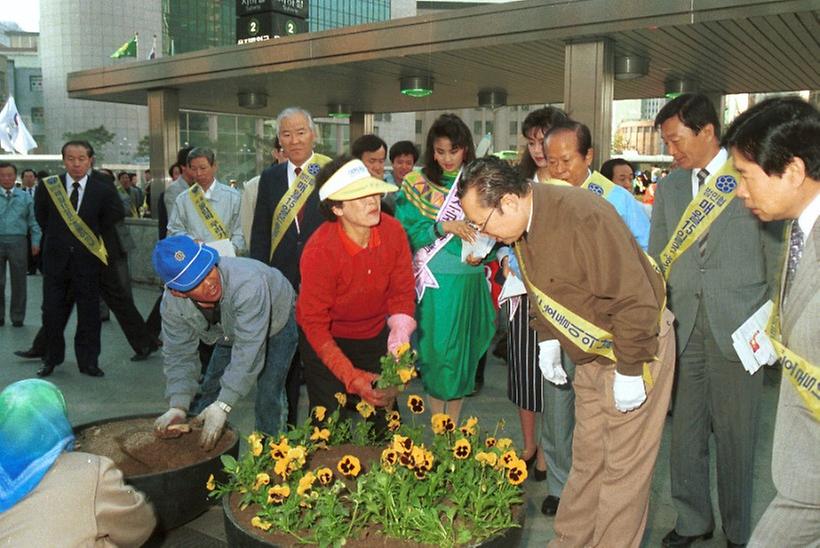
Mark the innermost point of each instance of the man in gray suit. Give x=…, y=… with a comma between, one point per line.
x=714, y=285
x=776, y=149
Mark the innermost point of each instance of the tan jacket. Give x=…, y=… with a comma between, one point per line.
x=81, y=502
x=580, y=253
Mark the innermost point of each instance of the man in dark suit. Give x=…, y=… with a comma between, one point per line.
x=775, y=147
x=714, y=285
x=296, y=133
x=115, y=292
x=29, y=180
x=69, y=265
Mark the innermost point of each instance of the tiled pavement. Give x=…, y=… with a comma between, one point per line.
x=131, y=388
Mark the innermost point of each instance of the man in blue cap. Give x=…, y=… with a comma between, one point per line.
x=245, y=305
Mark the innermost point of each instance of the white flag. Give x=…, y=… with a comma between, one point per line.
x=14, y=137
x=484, y=146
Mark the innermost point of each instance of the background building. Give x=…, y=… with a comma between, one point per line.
x=21, y=77
x=83, y=35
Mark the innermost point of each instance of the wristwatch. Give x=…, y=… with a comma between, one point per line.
x=224, y=406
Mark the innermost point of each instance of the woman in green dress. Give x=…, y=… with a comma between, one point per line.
x=455, y=313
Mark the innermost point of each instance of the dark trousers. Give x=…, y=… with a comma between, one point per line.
x=119, y=300
x=12, y=252
x=33, y=261
x=293, y=385
x=322, y=384
x=80, y=278
x=154, y=320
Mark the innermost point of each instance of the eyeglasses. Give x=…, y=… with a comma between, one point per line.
x=483, y=225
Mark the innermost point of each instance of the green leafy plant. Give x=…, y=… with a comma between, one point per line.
x=460, y=489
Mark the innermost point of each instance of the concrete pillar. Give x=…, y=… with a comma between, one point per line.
x=361, y=123
x=163, y=137
x=262, y=160
x=719, y=102
x=588, y=91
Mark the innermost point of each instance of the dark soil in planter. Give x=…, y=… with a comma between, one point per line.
x=371, y=537
x=134, y=448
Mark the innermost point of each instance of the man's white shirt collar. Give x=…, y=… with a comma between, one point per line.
x=292, y=168
x=712, y=167
x=809, y=216
x=70, y=182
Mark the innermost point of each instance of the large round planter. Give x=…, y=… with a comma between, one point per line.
x=238, y=537
x=178, y=495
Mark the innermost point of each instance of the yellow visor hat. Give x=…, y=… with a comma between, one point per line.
x=352, y=181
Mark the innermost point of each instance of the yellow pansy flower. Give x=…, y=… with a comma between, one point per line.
x=461, y=449
x=261, y=479
x=278, y=493
x=415, y=404
x=318, y=434
x=319, y=412
x=325, y=475
x=365, y=409
x=305, y=483
x=349, y=466
x=259, y=523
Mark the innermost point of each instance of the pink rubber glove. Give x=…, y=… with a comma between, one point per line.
x=401, y=328
x=356, y=381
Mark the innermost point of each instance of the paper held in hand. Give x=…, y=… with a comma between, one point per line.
x=224, y=247
x=752, y=344
x=513, y=287
x=478, y=248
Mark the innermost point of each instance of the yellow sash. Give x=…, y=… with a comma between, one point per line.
x=293, y=199
x=130, y=201
x=582, y=333
x=712, y=198
x=803, y=375
x=209, y=217
x=73, y=221
x=598, y=184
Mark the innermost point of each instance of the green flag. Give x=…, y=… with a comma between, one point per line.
x=128, y=49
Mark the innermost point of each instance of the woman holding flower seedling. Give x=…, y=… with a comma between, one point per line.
x=456, y=314
x=356, y=301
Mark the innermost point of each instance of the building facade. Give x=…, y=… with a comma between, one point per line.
x=77, y=35
x=22, y=78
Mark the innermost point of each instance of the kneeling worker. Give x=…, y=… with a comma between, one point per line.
x=248, y=307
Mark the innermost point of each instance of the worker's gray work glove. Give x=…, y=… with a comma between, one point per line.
x=629, y=392
x=213, y=419
x=174, y=415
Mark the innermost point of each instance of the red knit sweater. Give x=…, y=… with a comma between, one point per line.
x=348, y=291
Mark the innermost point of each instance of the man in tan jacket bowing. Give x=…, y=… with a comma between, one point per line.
x=594, y=290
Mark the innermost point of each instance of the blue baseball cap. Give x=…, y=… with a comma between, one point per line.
x=182, y=263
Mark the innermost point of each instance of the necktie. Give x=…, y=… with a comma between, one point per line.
x=75, y=195
x=795, y=253
x=702, y=175
x=301, y=213
x=8, y=195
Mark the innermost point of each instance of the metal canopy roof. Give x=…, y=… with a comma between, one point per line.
x=730, y=46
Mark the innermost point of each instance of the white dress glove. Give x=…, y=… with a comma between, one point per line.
x=629, y=392
x=549, y=360
x=213, y=418
x=173, y=416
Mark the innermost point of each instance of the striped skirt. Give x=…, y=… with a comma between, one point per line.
x=524, y=380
